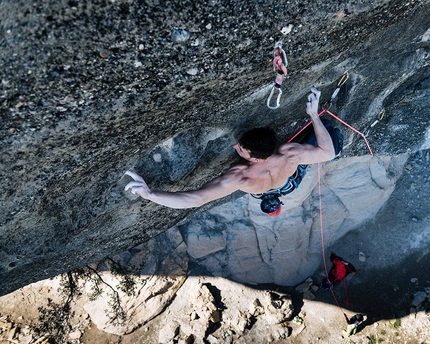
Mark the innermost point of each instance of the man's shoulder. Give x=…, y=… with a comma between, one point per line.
x=288, y=146
x=236, y=171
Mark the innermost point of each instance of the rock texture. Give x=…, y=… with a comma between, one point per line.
x=90, y=89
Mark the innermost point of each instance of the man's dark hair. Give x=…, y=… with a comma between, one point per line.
x=260, y=141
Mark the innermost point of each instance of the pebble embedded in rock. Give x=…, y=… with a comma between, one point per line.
x=180, y=35
x=192, y=71
x=419, y=298
x=287, y=29
x=104, y=53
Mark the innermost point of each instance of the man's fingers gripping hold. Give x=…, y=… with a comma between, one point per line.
x=316, y=92
x=134, y=186
x=138, y=185
x=313, y=99
x=135, y=176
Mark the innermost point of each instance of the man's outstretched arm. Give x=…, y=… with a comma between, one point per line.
x=215, y=189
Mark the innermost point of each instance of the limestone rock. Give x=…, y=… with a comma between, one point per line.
x=279, y=308
x=153, y=291
x=239, y=241
x=168, y=332
x=304, y=287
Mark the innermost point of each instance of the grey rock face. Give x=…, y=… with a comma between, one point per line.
x=75, y=117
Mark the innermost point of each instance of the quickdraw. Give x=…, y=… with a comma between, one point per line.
x=342, y=80
x=278, y=52
x=380, y=117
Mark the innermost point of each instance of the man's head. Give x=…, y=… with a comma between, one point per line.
x=261, y=142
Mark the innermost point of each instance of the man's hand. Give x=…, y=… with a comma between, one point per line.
x=313, y=100
x=138, y=186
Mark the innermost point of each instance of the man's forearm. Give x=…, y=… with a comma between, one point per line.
x=323, y=136
x=176, y=200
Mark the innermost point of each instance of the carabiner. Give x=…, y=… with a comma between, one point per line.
x=278, y=100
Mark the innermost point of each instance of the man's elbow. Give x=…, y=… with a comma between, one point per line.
x=328, y=154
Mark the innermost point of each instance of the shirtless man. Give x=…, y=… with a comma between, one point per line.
x=267, y=167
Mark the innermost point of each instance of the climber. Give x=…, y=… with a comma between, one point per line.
x=270, y=202
x=353, y=323
x=280, y=64
x=264, y=166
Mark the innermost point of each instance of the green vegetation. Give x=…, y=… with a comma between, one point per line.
x=396, y=324
x=372, y=339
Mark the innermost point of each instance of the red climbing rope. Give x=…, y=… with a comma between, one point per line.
x=341, y=121
x=320, y=202
x=349, y=126
x=322, y=235
x=320, y=199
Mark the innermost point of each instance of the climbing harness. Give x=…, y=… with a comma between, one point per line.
x=278, y=46
x=380, y=117
x=270, y=202
x=342, y=80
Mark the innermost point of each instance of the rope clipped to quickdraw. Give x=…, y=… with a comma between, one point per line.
x=341, y=121
x=325, y=108
x=342, y=80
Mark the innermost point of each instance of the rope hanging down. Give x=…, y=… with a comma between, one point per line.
x=323, y=246
x=326, y=106
x=320, y=203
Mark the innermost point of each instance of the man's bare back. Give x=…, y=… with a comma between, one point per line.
x=256, y=175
